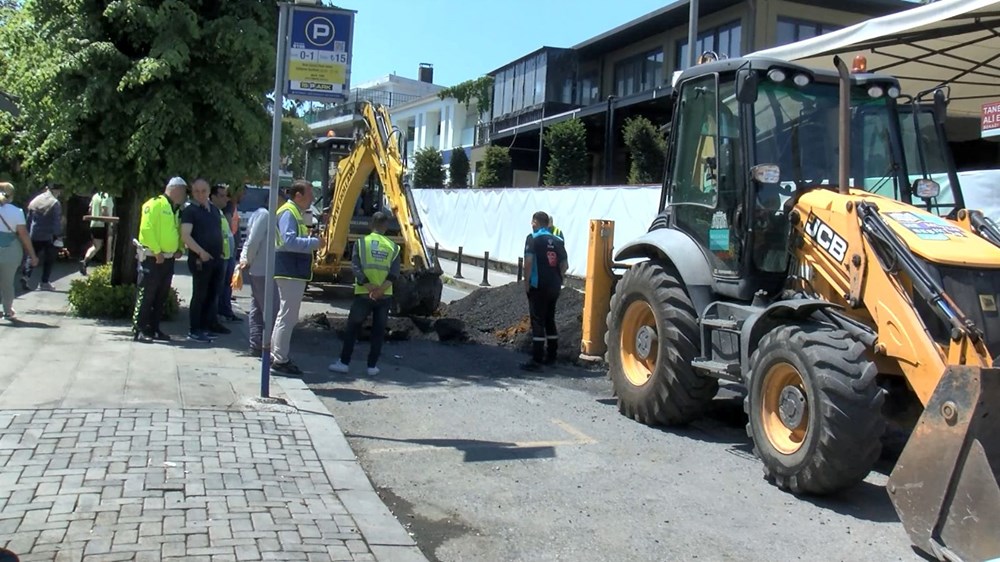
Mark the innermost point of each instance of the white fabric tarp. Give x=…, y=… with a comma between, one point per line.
x=981, y=190
x=951, y=42
x=498, y=220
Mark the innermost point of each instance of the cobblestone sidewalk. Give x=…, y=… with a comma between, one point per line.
x=193, y=485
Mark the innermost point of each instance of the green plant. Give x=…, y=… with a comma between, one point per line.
x=480, y=89
x=428, y=168
x=94, y=296
x=569, y=163
x=495, y=169
x=647, y=149
x=458, y=168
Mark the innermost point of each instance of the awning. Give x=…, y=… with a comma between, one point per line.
x=953, y=43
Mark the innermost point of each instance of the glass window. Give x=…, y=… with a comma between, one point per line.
x=923, y=151
x=724, y=40
x=519, y=86
x=587, y=92
x=498, y=94
x=508, y=91
x=541, y=73
x=529, y=83
x=703, y=179
x=791, y=30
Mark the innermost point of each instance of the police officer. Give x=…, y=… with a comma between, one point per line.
x=376, y=263
x=545, y=264
x=160, y=238
x=293, y=261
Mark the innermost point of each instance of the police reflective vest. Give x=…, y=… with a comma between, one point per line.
x=226, y=250
x=557, y=233
x=292, y=265
x=377, y=254
x=160, y=227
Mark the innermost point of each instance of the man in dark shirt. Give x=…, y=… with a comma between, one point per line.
x=201, y=231
x=545, y=264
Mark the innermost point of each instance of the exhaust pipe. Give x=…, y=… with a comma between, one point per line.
x=844, y=118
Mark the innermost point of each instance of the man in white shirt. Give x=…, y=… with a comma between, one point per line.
x=101, y=205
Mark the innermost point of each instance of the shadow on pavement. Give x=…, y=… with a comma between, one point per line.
x=866, y=501
x=19, y=323
x=476, y=450
x=348, y=394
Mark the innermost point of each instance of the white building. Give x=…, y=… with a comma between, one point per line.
x=389, y=90
x=445, y=124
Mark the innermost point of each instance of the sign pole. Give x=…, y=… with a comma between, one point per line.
x=272, y=201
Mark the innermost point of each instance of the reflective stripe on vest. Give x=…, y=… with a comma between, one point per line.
x=225, y=238
x=292, y=265
x=377, y=254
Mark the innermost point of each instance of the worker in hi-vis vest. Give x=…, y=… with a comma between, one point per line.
x=554, y=230
x=375, y=262
x=160, y=241
x=293, y=260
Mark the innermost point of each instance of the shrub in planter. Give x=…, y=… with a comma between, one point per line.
x=94, y=296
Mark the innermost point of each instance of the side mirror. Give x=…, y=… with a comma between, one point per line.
x=766, y=173
x=926, y=188
x=746, y=87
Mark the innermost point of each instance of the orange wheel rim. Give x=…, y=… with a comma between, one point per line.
x=785, y=410
x=639, y=343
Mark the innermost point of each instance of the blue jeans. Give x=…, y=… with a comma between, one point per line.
x=226, y=290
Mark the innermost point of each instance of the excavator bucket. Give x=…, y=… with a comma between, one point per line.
x=944, y=486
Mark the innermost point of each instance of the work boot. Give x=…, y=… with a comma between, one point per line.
x=551, y=352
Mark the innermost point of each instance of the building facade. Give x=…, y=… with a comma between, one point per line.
x=446, y=125
x=627, y=71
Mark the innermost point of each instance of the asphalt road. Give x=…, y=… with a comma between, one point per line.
x=482, y=463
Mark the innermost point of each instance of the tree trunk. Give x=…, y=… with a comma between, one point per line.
x=123, y=270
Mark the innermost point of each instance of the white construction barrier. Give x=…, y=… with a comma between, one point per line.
x=498, y=220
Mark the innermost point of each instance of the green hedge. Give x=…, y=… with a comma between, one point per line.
x=93, y=296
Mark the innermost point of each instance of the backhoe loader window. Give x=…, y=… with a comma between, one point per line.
x=923, y=151
x=704, y=179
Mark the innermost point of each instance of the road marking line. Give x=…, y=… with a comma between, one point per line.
x=581, y=437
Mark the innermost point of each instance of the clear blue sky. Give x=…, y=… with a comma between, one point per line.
x=465, y=39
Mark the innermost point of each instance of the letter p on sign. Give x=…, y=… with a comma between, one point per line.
x=319, y=31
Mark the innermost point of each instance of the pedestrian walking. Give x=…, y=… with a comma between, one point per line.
x=220, y=198
x=252, y=264
x=44, y=227
x=293, y=261
x=545, y=266
x=375, y=262
x=160, y=246
x=14, y=245
x=201, y=231
x=101, y=205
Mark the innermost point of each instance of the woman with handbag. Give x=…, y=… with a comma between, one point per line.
x=14, y=243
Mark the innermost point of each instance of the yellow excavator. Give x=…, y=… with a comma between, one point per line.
x=777, y=262
x=369, y=173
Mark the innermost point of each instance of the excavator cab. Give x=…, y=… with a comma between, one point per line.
x=780, y=261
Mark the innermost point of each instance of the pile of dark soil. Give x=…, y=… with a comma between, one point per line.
x=500, y=315
x=398, y=329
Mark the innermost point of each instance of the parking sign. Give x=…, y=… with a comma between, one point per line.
x=319, y=54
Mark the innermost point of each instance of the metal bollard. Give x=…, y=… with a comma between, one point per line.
x=458, y=272
x=486, y=270
x=437, y=248
x=520, y=269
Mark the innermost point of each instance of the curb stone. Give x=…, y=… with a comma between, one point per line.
x=388, y=539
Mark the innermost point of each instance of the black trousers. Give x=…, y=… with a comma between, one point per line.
x=360, y=309
x=544, y=334
x=206, y=280
x=46, y=252
x=154, y=288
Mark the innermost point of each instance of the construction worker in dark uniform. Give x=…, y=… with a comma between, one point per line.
x=375, y=262
x=160, y=241
x=545, y=265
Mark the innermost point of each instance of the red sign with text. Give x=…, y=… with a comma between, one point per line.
x=991, y=120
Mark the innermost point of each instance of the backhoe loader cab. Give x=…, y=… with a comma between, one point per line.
x=780, y=261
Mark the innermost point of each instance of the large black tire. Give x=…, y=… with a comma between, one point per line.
x=837, y=431
x=650, y=299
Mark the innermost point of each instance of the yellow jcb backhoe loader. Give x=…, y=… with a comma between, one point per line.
x=376, y=150
x=771, y=265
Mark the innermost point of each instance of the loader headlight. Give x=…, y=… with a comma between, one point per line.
x=776, y=75
x=875, y=91
x=801, y=80
x=893, y=92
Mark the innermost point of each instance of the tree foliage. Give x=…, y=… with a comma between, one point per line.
x=123, y=95
x=428, y=168
x=569, y=162
x=294, y=135
x=480, y=89
x=495, y=169
x=647, y=150
x=458, y=168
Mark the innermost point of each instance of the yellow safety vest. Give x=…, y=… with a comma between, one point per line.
x=292, y=265
x=377, y=254
x=225, y=237
x=160, y=226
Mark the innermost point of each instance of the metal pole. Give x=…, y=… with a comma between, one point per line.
x=520, y=269
x=609, y=137
x=272, y=202
x=692, y=33
x=486, y=270
x=844, y=121
x=458, y=271
x=541, y=136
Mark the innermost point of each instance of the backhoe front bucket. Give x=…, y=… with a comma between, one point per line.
x=944, y=486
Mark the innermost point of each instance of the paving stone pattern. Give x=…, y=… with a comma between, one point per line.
x=192, y=485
